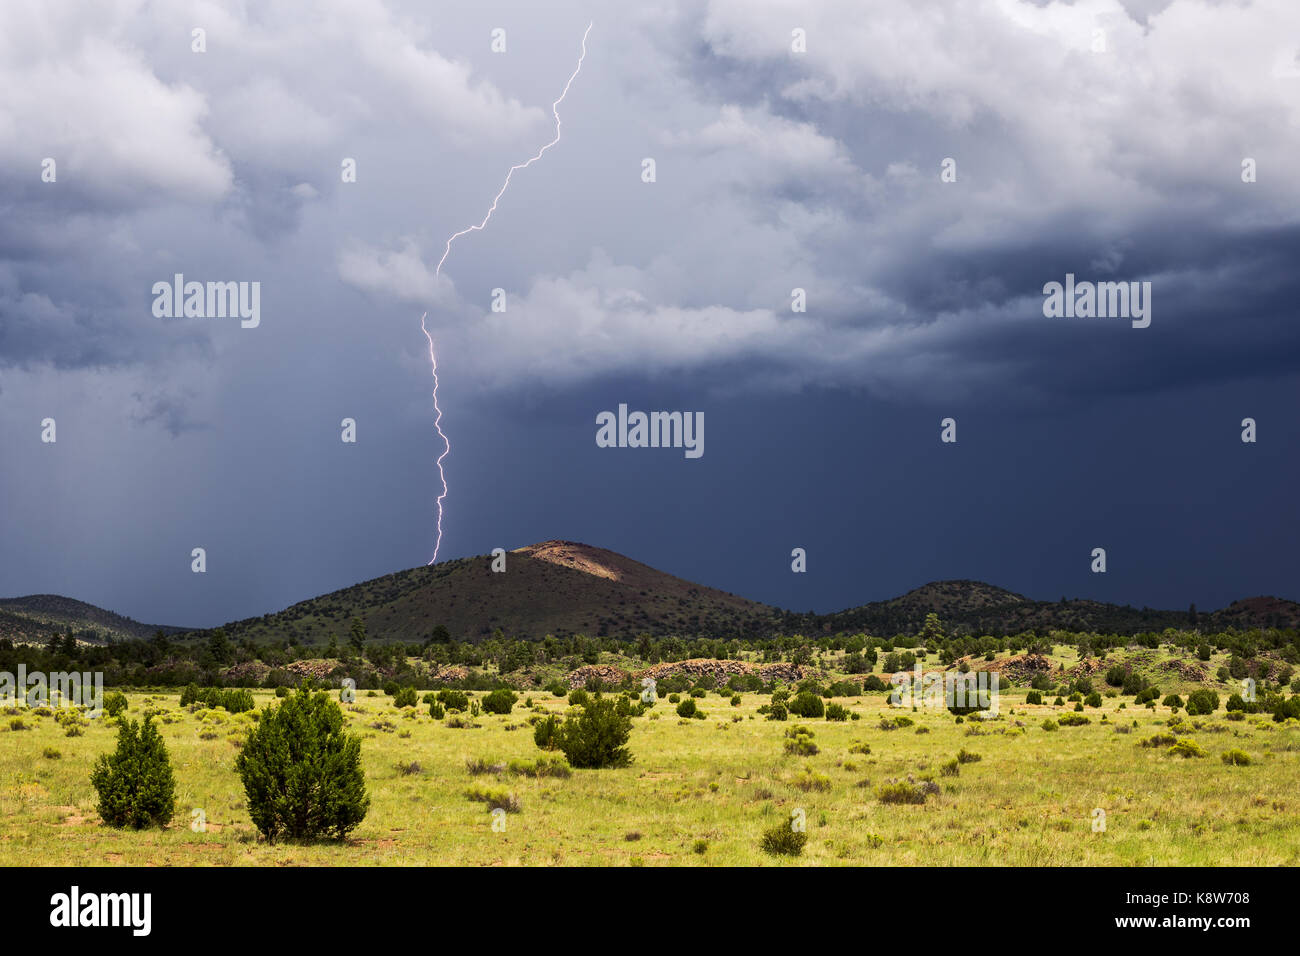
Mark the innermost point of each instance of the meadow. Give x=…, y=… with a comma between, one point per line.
x=701, y=791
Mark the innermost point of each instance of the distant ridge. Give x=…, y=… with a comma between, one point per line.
x=38, y=616
x=562, y=587
x=984, y=608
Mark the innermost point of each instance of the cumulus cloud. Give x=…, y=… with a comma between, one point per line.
x=1089, y=137
x=89, y=101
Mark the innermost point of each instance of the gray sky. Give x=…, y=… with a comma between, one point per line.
x=775, y=170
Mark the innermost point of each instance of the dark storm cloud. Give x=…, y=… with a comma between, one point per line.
x=776, y=171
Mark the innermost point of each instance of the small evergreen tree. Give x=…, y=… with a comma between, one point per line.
x=301, y=771
x=406, y=697
x=135, y=783
x=114, y=703
x=546, y=732
x=500, y=701
x=219, y=646
x=357, y=635
x=597, y=736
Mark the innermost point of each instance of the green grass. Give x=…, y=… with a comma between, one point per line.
x=716, y=783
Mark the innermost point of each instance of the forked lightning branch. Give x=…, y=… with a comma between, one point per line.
x=433, y=356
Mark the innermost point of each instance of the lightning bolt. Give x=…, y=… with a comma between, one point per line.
x=437, y=423
x=433, y=358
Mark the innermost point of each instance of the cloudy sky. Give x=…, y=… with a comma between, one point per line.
x=1104, y=139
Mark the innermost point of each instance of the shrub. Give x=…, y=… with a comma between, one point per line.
x=135, y=784
x=1186, y=748
x=597, y=737
x=1093, y=699
x=1073, y=720
x=783, y=840
x=1203, y=651
x=950, y=769
x=114, y=703
x=1134, y=684
x=556, y=767
x=1049, y=724
x=776, y=711
x=1286, y=709
x=495, y=799
x=477, y=766
x=800, y=744
x=301, y=772
x=453, y=699
x=282, y=691
x=578, y=697
x=436, y=709
x=1236, y=758
x=70, y=719
x=687, y=708
x=807, y=704
x=500, y=701
x=973, y=701
x=965, y=756
x=1059, y=702
x=1033, y=697
x=808, y=781
x=51, y=753
x=236, y=700
x=1202, y=702
x=735, y=700
x=874, y=683
x=836, y=712
x=545, y=732
x=406, y=697
x=1173, y=700
x=902, y=792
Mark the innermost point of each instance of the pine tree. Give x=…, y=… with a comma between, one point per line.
x=135, y=784
x=358, y=637
x=301, y=772
x=596, y=737
x=219, y=646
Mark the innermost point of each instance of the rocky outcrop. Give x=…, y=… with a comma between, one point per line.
x=606, y=674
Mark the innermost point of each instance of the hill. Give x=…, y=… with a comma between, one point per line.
x=563, y=588
x=37, y=617
x=983, y=608
x=555, y=587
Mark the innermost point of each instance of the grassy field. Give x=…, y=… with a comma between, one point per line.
x=701, y=791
